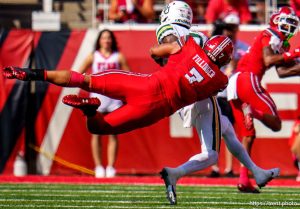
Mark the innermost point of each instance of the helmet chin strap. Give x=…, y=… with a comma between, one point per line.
x=289, y=37
x=286, y=41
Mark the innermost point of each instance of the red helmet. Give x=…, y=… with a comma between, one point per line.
x=219, y=49
x=287, y=21
x=274, y=20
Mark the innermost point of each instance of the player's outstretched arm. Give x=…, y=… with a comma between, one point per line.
x=270, y=58
x=285, y=71
x=63, y=78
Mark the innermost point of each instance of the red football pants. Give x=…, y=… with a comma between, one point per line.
x=250, y=91
x=144, y=100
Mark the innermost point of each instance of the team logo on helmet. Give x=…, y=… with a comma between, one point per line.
x=177, y=12
x=219, y=49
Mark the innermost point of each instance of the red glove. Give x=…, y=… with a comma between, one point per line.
x=288, y=56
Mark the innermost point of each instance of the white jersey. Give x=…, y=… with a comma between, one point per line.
x=100, y=64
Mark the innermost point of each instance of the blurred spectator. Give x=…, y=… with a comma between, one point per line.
x=139, y=11
x=295, y=4
x=199, y=8
x=229, y=26
x=105, y=57
x=260, y=12
x=218, y=9
x=200, y=11
x=294, y=143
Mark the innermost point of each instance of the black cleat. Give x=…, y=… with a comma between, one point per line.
x=214, y=174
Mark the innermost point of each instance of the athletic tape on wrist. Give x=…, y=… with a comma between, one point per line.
x=76, y=80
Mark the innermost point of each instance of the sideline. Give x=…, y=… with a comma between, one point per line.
x=137, y=180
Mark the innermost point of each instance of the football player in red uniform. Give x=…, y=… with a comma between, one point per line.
x=147, y=98
x=248, y=98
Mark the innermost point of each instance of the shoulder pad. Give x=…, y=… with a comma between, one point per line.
x=198, y=37
x=164, y=30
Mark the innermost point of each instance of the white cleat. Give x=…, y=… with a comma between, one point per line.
x=99, y=172
x=110, y=172
x=263, y=178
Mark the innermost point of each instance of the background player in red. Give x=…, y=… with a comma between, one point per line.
x=147, y=98
x=249, y=98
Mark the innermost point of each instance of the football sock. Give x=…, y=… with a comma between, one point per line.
x=198, y=162
x=244, y=179
x=237, y=149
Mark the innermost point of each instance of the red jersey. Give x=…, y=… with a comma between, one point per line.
x=252, y=61
x=190, y=76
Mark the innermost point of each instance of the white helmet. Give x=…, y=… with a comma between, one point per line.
x=177, y=12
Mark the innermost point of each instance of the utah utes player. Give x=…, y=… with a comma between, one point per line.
x=204, y=115
x=147, y=98
x=248, y=98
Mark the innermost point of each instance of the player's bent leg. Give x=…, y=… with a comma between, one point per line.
x=24, y=74
x=236, y=148
x=272, y=121
x=88, y=105
x=196, y=163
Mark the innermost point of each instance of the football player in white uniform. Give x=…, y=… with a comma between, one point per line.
x=176, y=19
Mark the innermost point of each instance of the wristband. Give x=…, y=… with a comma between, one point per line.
x=287, y=56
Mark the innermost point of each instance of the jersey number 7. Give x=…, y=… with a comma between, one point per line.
x=194, y=76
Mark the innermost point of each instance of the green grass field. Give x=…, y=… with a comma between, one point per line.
x=141, y=196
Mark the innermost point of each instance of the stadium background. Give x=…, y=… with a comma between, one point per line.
x=31, y=114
